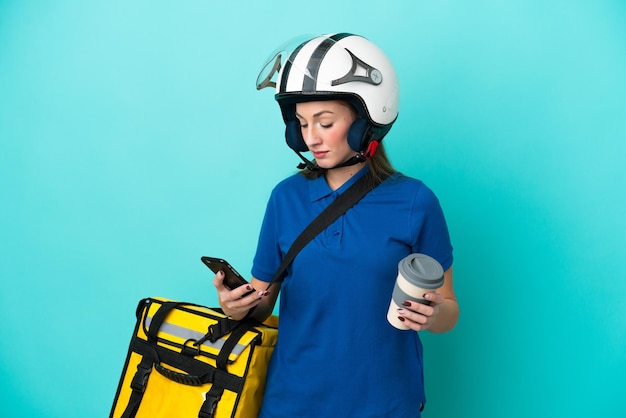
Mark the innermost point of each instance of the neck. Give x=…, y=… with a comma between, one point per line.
x=336, y=177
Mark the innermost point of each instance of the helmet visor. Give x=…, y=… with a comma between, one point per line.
x=268, y=76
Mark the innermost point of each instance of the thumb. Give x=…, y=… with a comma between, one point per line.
x=218, y=280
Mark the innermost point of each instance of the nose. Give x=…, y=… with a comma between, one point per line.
x=310, y=136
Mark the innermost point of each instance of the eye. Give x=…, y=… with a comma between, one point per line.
x=326, y=126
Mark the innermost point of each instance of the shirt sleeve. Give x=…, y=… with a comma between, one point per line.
x=433, y=238
x=268, y=254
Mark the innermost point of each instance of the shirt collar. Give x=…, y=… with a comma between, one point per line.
x=319, y=188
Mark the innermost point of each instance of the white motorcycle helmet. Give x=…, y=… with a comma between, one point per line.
x=339, y=66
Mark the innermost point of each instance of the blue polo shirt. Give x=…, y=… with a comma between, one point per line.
x=337, y=356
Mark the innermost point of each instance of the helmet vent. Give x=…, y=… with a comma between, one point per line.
x=372, y=75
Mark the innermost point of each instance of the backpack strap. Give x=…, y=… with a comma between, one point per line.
x=214, y=394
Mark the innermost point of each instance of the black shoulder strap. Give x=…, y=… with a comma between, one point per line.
x=337, y=208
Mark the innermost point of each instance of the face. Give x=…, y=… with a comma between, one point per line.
x=324, y=126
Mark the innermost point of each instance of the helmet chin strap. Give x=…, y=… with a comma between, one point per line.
x=356, y=159
x=308, y=164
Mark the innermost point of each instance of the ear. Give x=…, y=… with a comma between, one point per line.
x=293, y=136
x=356, y=134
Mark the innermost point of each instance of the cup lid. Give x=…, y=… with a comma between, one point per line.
x=422, y=270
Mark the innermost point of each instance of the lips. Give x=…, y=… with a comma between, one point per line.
x=319, y=154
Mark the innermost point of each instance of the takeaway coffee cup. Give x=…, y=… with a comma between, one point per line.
x=417, y=274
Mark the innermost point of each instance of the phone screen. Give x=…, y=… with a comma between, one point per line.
x=232, y=278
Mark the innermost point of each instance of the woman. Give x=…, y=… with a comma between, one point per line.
x=337, y=356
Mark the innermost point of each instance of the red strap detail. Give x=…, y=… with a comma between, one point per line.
x=371, y=149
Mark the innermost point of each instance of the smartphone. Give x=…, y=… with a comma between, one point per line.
x=232, y=278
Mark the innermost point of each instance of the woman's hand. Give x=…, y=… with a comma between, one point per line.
x=442, y=314
x=236, y=303
x=418, y=316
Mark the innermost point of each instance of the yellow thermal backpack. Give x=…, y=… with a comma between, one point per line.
x=187, y=360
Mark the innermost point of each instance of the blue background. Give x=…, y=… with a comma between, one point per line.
x=132, y=141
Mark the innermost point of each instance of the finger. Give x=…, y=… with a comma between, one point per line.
x=420, y=308
x=218, y=280
x=242, y=291
x=415, y=326
x=413, y=316
x=434, y=298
